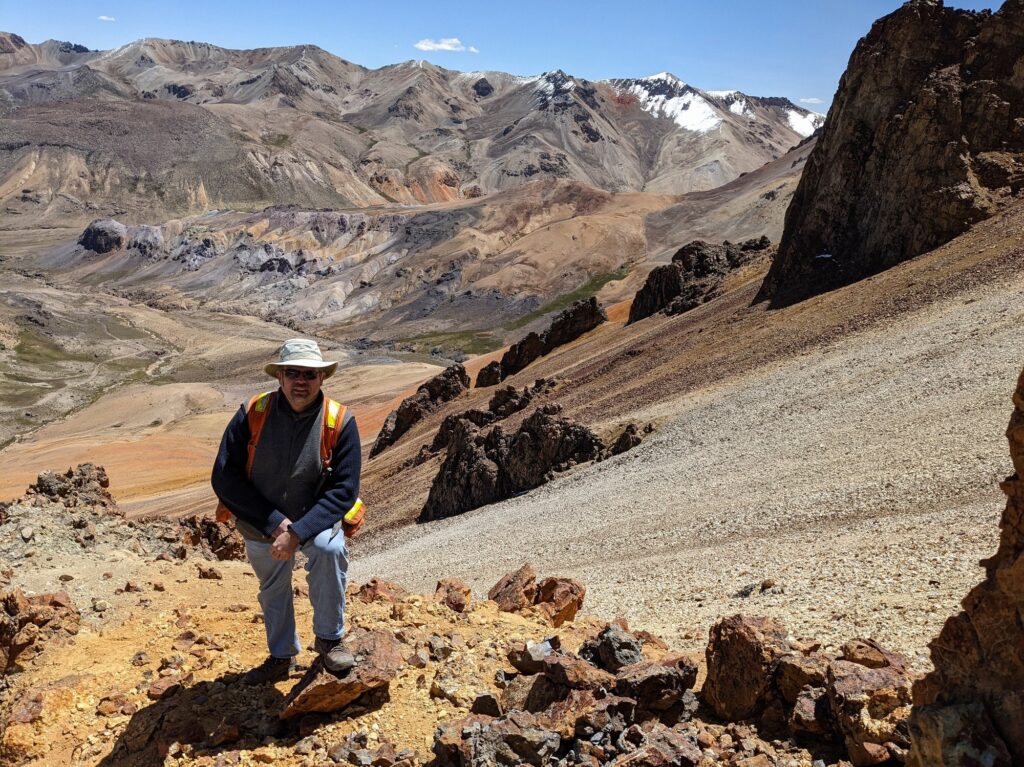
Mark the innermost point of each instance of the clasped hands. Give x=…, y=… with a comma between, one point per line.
x=285, y=544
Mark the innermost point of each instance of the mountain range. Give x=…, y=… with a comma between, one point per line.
x=160, y=128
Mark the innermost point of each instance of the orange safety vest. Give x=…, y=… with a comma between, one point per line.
x=330, y=429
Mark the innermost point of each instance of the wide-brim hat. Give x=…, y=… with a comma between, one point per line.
x=301, y=353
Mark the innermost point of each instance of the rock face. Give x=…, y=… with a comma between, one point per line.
x=694, y=276
x=104, y=235
x=923, y=139
x=580, y=318
x=483, y=467
x=429, y=396
x=378, y=658
x=970, y=709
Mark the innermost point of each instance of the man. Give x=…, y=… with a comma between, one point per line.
x=272, y=489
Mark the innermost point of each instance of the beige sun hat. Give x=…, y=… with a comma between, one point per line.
x=301, y=353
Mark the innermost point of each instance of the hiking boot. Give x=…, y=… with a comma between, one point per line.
x=270, y=670
x=336, y=658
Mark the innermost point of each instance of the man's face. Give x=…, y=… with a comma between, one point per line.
x=300, y=385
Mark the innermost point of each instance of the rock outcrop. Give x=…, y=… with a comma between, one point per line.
x=923, y=139
x=442, y=388
x=104, y=235
x=27, y=624
x=693, y=277
x=860, y=698
x=483, y=467
x=580, y=318
x=970, y=709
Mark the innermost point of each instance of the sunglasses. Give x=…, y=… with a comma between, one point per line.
x=305, y=375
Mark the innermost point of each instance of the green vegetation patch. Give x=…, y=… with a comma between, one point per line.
x=471, y=342
x=590, y=288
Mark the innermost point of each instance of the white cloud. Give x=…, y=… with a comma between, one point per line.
x=105, y=18
x=444, y=44
x=474, y=49
x=812, y=100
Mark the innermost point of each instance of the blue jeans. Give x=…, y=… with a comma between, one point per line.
x=326, y=576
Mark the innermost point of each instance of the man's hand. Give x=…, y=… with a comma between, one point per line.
x=285, y=544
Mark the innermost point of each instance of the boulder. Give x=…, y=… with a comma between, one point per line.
x=812, y=713
x=547, y=443
x=575, y=673
x=104, y=235
x=442, y=388
x=976, y=657
x=741, y=658
x=922, y=141
x=470, y=475
x=378, y=658
x=661, y=746
x=560, y=599
x=655, y=686
x=515, y=591
x=613, y=649
x=531, y=692
x=453, y=593
x=870, y=707
x=795, y=671
x=959, y=735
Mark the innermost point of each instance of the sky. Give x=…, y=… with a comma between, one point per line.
x=792, y=48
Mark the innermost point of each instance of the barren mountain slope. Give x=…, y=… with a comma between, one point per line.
x=759, y=470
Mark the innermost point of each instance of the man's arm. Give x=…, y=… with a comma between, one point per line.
x=232, y=485
x=342, y=489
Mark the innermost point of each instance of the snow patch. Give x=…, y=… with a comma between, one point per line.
x=721, y=94
x=667, y=77
x=739, y=107
x=689, y=110
x=804, y=124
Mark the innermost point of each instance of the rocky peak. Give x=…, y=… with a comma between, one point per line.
x=923, y=143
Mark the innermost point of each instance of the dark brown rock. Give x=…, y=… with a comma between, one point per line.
x=84, y=486
x=28, y=624
x=741, y=656
x=795, y=671
x=528, y=657
x=977, y=655
x=377, y=590
x=104, y=235
x=870, y=707
x=867, y=652
x=560, y=599
x=576, y=674
x=922, y=140
x=489, y=375
x=217, y=540
x=531, y=692
x=653, y=685
x=812, y=713
x=442, y=388
x=570, y=324
x=516, y=590
x=693, y=277
x=485, y=467
x=958, y=735
x=378, y=658
x=513, y=740
x=613, y=648
x=454, y=594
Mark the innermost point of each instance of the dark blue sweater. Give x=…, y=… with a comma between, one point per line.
x=309, y=516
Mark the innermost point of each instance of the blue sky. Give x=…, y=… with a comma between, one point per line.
x=793, y=48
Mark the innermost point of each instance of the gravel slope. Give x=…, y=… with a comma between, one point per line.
x=861, y=477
